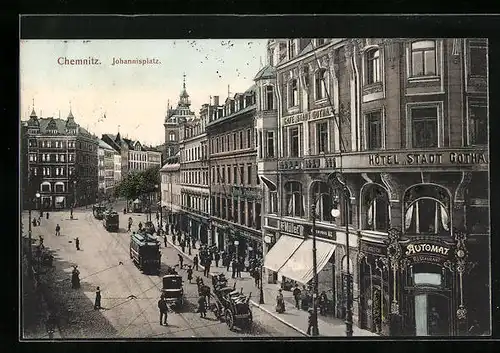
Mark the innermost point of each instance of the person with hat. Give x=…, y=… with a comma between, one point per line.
x=202, y=306
x=97, y=303
x=162, y=305
x=189, y=273
x=311, y=320
x=280, y=302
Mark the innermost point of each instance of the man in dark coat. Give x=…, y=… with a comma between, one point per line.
x=58, y=229
x=233, y=267
x=202, y=306
x=256, y=276
x=310, y=321
x=97, y=303
x=239, y=266
x=162, y=306
x=77, y=243
x=217, y=258
x=296, y=296
x=181, y=260
x=207, y=267
x=195, y=262
x=183, y=245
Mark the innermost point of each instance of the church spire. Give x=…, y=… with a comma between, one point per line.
x=70, y=115
x=33, y=114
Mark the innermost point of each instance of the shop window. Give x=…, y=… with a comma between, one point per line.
x=373, y=66
x=324, y=201
x=269, y=98
x=477, y=59
x=273, y=202
x=478, y=125
x=320, y=84
x=293, y=93
x=423, y=58
x=426, y=216
x=294, y=203
x=322, y=137
x=377, y=212
x=294, y=141
x=374, y=131
x=424, y=127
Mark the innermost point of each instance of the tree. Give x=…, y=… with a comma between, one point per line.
x=139, y=185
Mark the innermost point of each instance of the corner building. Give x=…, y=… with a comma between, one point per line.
x=402, y=124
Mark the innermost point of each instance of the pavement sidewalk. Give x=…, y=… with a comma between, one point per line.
x=292, y=317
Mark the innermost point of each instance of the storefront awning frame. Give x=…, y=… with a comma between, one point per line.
x=279, y=254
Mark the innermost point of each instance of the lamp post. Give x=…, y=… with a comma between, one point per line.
x=161, y=210
x=236, y=243
x=266, y=240
x=315, y=329
x=189, y=237
x=336, y=213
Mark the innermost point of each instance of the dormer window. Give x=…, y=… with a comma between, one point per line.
x=320, y=41
x=373, y=66
x=293, y=93
x=291, y=49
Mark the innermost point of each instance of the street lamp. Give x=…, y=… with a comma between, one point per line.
x=267, y=240
x=315, y=329
x=189, y=237
x=236, y=243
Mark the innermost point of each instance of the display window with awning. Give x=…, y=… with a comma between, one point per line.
x=299, y=266
x=281, y=252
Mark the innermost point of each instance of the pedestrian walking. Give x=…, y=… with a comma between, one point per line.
x=217, y=258
x=140, y=225
x=190, y=273
x=233, y=267
x=228, y=262
x=58, y=230
x=34, y=222
x=194, y=243
x=202, y=306
x=165, y=240
x=47, y=215
x=183, y=245
x=97, y=303
x=296, y=296
x=40, y=239
x=207, y=267
x=162, y=306
x=239, y=266
x=311, y=320
x=256, y=276
x=173, y=239
x=280, y=302
x=323, y=303
x=77, y=243
x=181, y=260
x=195, y=262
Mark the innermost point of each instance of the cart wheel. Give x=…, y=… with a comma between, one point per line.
x=249, y=321
x=229, y=319
x=130, y=253
x=220, y=313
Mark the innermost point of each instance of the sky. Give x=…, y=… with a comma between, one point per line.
x=133, y=97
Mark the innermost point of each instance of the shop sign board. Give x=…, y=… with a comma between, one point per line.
x=372, y=248
x=427, y=251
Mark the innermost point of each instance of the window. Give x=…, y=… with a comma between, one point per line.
x=377, y=214
x=273, y=202
x=423, y=58
x=294, y=205
x=320, y=41
x=59, y=187
x=324, y=203
x=241, y=140
x=249, y=138
x=426, y=216
x=227, y=141
x=223, y=174
x=242, y=175
x=258, y=216
x=45, y=187
x=293, y=93
x=270, y=144
x=478, y=125
x=373, y=131
x=322, y=137
x=477, y=54
x=249, y=174
x=373, y=66
x=229, y=174
x=478, y=220
x=269, y=98
x=250, y=220
x=294, y=141
x=257, y=174
x=320, y=84
x=424, y=127
x=235, y=210
x=234, y=141
x=235, y=175
x=291, y=48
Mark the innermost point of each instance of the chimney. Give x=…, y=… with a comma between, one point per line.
x=216, y=101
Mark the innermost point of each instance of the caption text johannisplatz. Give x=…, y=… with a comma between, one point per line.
x=91, y=61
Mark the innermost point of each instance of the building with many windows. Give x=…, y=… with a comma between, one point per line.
x=235, y=193
x=106, y=162
x=195, y=192
x=393, y=133
x=171, y=193
x=61, y=162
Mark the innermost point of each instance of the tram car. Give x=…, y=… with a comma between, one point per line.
x=111, y=221
x=145, y=252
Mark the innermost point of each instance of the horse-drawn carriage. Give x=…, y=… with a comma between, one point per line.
x=230, y=305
